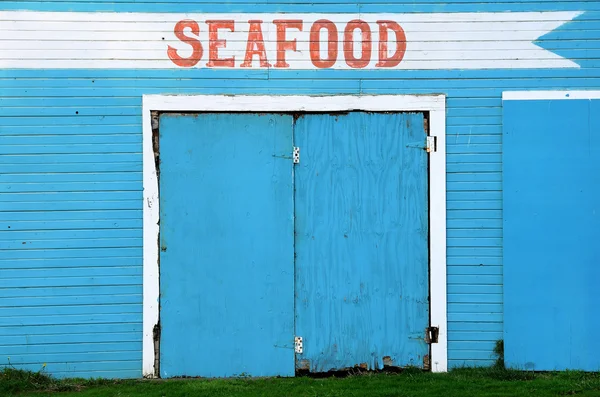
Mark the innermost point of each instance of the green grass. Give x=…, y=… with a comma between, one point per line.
x=479, y=382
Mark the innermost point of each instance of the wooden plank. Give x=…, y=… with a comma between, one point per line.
x=226, y=238
x=361, y=240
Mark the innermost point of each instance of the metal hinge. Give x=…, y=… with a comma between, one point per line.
x=431, y=144
x=298, y=347
x=431, y=334
x=296, y=155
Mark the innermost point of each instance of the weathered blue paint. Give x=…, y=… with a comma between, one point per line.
x=38, y=115
x=362, y=252
x=551, y=227
x=226, y=245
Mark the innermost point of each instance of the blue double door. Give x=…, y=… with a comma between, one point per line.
x=256, y=250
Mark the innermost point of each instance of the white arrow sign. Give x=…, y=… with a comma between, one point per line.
x=36, y=40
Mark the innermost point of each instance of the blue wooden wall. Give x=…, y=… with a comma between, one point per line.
x=71, y=181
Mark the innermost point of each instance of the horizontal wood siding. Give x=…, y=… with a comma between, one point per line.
x=71, y=179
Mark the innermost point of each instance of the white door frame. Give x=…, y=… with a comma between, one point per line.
x=434, y=104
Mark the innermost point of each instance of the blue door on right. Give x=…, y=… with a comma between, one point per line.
x=551, y=211
x=361, y=240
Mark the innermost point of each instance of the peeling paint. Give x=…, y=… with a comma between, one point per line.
x=156, y=337
x=426, y=362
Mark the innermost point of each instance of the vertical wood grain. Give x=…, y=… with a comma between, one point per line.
x=361, y=240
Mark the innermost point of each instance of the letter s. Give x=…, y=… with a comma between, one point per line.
x=192, y=41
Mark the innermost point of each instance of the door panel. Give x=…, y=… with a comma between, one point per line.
x=362, y=255
x=551, y=255
x=226, y=245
